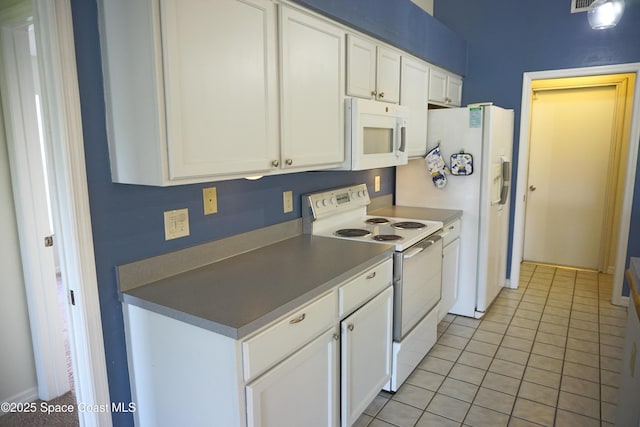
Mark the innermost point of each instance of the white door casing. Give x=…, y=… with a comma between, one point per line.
x=70, y=196
x=19, y=89
x=523, y=161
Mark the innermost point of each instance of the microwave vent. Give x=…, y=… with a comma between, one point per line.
x=580, y=5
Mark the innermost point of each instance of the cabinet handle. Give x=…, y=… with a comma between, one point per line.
x=336, y=337
x=289, y=162
x=451, y=227
x=275, y=163
x=374, y=93
x=381, y=95
x=297, y=319
x=371, y=276
x=350, y=326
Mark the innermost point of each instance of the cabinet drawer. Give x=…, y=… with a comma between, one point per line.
x=450, y=232
x=287, y=335
x=364, y=287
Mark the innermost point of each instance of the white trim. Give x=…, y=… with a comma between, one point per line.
x=523, y=166
x=28, y=182
x=59, y=83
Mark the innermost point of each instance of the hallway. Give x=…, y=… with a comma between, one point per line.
x=548, y=354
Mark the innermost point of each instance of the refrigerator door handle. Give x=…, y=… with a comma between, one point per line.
x=506, y=178
x=506, y=170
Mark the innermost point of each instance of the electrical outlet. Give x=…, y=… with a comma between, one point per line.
x=287, y=201
x=376, y=183
x=210, y=200
x=176, y=223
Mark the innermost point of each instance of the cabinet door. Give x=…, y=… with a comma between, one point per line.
x=312, y=73
x=414, y=93
x=220, y=86
x=366, y=355
x=437, y=85
x=361, y=67
x=300, y=391
x=450, y=262
x=454, y=90
x=388, y=75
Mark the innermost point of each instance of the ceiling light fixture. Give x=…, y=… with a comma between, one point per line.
x=605, y=14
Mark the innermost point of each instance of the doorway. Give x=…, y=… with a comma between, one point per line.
x=621, y=160
x=72, y=220
x=578, y=133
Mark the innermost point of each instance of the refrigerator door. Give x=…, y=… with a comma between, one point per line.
x=456, y=130
x=494, y=207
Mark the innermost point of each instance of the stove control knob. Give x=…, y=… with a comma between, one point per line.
x=325, y=202
x=334, y=200
x=319, y=203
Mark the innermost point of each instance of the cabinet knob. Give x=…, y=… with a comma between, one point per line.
x=275, y=163
x=374, y=93
x=381, y=95
x=336, y=337
x=350, y=326
x=289, y=162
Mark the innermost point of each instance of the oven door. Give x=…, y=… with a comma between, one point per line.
x=417, y=284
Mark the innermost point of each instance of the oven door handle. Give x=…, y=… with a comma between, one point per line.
x=415, y=251
x=420, y=247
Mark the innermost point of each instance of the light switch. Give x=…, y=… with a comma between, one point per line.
x=376, y=183
x=210, y=200
x=287, y=201
x=176, y=223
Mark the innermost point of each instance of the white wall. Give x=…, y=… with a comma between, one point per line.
x=17, y=369
x=425, y=4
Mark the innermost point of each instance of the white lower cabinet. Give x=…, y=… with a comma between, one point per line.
x=450, y=267
x=366, y=341
x=300, y=391
x=320, y=365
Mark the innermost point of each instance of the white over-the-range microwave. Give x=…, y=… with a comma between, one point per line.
x=375, y=134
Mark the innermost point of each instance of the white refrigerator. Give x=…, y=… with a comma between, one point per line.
x=486, y=133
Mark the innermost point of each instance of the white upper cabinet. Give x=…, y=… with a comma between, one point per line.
x=312, y=82
x=194, y=91
x=444, y=88
x=373, y=71
x=220, y=86
x=414, y=94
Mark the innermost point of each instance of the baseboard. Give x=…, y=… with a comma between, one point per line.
x=26, y=396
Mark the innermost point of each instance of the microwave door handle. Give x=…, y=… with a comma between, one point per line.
x=402, y=132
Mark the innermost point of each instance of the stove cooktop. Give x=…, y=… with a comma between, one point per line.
x=383, y=230
x=342, y=213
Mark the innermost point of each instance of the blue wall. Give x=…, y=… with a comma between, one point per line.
x=507, y=38
x=127, y=220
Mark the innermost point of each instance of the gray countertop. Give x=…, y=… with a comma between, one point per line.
x=428, y=214
x=239, y=295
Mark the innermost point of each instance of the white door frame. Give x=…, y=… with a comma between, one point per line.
x=59, y=83
x=19, y=89
x=70, y=197
x=523, y=169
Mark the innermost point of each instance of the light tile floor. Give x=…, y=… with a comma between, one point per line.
x=548, y=353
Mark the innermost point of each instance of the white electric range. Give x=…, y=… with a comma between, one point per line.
x=342, y=213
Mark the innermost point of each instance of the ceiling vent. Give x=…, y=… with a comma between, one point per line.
x=580, y=5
